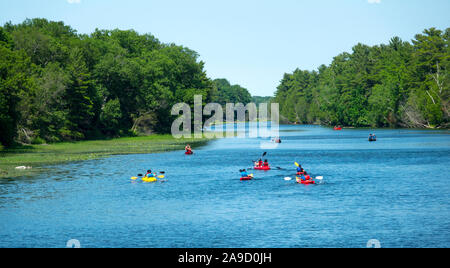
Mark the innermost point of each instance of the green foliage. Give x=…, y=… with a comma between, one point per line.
x=227, y=93
x=14, y=80
x=399, y=84
x=57, y=85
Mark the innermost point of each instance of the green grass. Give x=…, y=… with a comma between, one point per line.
x=39, y=156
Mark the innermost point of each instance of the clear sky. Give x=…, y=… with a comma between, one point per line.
x=249, y=42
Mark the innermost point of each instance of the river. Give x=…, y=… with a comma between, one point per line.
x=395, y=190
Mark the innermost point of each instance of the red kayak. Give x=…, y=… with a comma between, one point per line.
x=189, y=153
x=337, y=128
x=246, y=178
x=306, y=182
x=261, y=168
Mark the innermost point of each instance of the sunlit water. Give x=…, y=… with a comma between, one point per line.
x=395, y=190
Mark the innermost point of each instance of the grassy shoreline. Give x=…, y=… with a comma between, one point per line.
x=39, y=156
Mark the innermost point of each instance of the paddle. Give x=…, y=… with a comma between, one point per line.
x=264, y=154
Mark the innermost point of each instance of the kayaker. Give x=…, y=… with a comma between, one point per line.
x=260, y=163
x=244, y=173
x=300, y=170
x=266, y=163
x=307, y=177
x=302, y=177
x=188, y=148
x=150, y=174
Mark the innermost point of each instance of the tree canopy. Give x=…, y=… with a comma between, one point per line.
x=400, y=84
x=57, y=85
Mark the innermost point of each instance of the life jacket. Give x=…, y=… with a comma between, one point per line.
x=266, y=164
x=308, y=178
x=260, y=163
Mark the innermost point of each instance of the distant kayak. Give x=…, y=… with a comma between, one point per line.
x=261, y=168
x=246, y=178
x=305, y=182
x=337, y=128
x=189, y=153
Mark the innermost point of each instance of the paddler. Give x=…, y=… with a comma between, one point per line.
x=266, y=163
x=244, y=173
x=150, y=174
x=188, y=148
x=307, y=177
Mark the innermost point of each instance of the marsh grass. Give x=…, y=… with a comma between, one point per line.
x=39, y=156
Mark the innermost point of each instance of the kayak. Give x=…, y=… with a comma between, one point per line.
x=149, y=179
x=261, y=168
x=337, y=128
x=189, y=153
x=246, y=178
x=305, y=182
x=372, y=140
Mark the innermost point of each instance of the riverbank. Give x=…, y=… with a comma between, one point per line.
x=39, y=156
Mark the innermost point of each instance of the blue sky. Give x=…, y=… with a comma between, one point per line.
x=249, y=42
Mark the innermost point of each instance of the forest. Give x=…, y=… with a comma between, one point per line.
x=400, y=84
x=58, y=85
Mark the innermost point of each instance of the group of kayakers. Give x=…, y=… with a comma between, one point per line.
x=372, y=137
x=261, y=164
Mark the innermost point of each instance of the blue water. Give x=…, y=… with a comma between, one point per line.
x=395, y=190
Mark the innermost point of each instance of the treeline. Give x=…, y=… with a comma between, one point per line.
x=57, y=85
x=401, y=84
x=227, y=93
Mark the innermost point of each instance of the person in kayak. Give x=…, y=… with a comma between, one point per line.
x=150, y=174
x=302, y=177
x=188, y=148
x=244, y=173
x=260, y=163
x=266, y=163
x=300, y=170
x=307, y=177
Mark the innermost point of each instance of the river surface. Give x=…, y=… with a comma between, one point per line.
x=396, y=191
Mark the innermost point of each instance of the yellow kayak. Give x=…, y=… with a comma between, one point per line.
x=149, y=179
